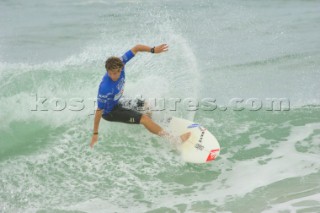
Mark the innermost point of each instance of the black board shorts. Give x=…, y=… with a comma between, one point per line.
x=124, y=115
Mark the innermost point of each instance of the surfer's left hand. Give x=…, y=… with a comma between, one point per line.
x=161, y=48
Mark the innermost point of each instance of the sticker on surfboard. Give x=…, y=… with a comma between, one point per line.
x=201, y=147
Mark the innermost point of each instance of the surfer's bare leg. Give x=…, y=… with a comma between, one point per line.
x=156, y=129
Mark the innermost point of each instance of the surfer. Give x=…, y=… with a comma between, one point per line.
x=111, y=89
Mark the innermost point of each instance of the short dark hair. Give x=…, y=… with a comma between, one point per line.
x=113, y=63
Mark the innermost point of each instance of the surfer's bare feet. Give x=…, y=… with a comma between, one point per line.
x=185, y=136
x=149, y=114
x=147, y=109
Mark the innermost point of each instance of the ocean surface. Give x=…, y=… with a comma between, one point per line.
x=253, y=68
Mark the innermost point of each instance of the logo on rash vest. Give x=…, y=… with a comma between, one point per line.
x=212, y=155
x=120, y=87
x=121, y=84
x=118, y=96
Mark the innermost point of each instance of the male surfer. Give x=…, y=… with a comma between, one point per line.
x=111, y=89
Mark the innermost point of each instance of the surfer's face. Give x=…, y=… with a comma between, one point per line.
x=114, y=74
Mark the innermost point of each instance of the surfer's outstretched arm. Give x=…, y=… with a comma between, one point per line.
x=144, y=48
x=97, y=118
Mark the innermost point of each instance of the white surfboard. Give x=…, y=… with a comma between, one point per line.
x=201, y=147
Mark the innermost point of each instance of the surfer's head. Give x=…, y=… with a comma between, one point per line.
x=114, y=66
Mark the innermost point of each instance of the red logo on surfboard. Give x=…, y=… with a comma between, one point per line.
x=212, y=155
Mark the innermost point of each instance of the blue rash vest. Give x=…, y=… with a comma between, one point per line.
x=111, y=91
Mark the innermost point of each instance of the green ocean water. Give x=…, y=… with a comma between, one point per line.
x=52, y=60
x=268, y=158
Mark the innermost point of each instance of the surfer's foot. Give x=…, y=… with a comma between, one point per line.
x=149, y=114
x=147, y=109
x=185, y=136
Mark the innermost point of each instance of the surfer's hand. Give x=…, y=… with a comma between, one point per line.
x=94, y=140
x=161, y=48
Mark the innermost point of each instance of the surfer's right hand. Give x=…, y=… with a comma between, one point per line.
x=94, y=140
